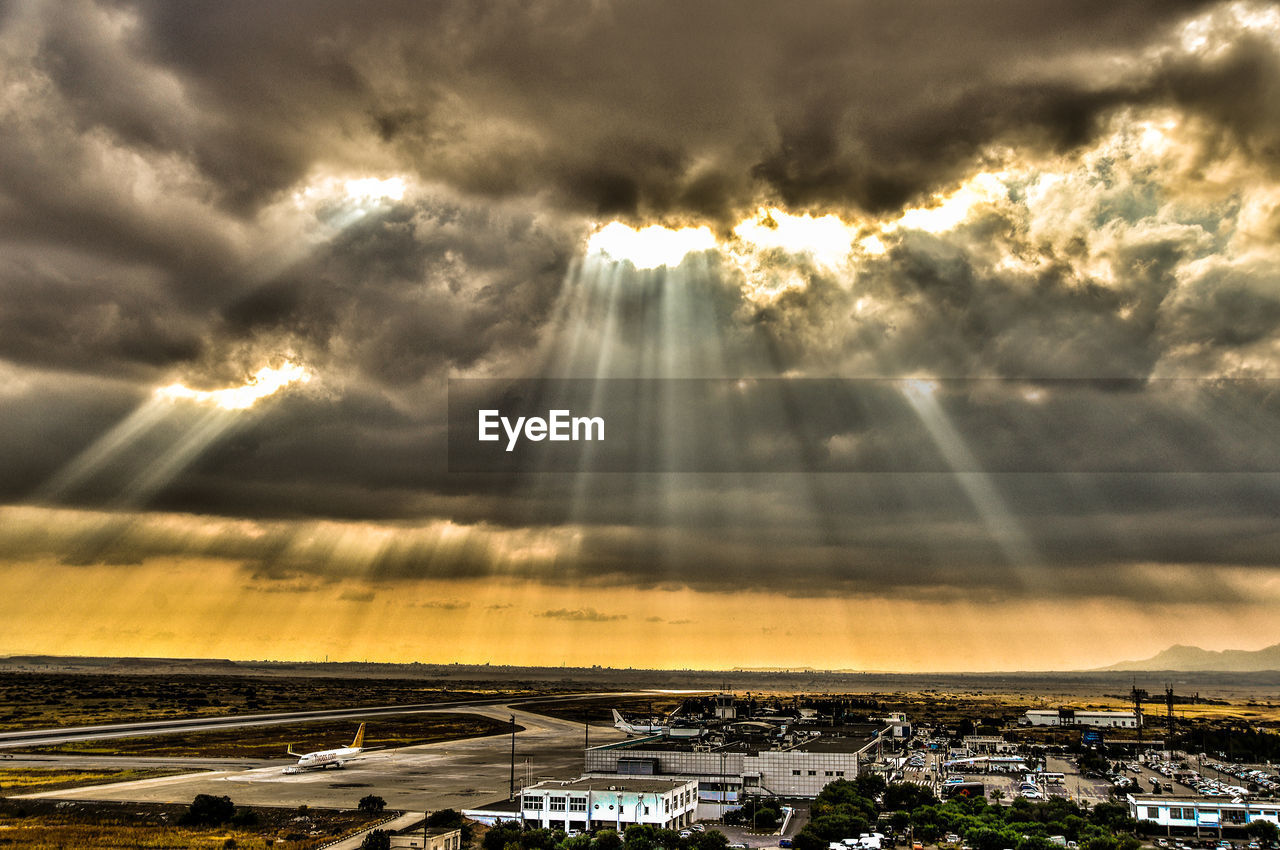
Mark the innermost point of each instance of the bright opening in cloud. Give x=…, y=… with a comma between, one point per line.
x=953, y=209
x=649, y=247
x=265, y=382
x=367, y=190
x=827, y=239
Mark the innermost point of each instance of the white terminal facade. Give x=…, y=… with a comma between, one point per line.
x=594, y=802
x=1072, y=717
x=798, y=766
x=1198, y=813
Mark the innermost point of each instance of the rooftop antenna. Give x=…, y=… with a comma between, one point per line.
x=1137, y=695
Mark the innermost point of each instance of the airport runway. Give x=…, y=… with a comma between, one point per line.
x=448, y=774
x=77, y=762
x=47, y=737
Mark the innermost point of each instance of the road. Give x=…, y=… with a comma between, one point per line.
x=447, y=774
x=78, y=762
x=353, y=842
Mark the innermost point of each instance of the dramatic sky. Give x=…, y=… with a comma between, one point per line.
x=245, y=246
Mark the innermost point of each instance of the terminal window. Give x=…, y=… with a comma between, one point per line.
x=577, y=804
x=557, y=804
x=795, y=773
x=813, y=773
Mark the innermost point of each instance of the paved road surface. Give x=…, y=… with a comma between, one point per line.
x=45, y=737
x=448, y=774
x=353, y=842
x=75, y=762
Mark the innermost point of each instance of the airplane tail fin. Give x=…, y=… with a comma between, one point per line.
x=358, y=743
x=617, y=717
x=290, y=751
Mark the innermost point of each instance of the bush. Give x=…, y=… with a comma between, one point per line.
x=208, y=810
x=377, y=840
x=605, y=840
x=371, y=803
x=445, y=818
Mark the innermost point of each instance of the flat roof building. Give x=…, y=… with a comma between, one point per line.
x=593, y=802
x=1072, y=717
x=988, y=744
x=1199, y=813
x=430, y=838
x=797, y=763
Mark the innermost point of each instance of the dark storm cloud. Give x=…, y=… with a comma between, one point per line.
x=150, y=148
x=615, y=109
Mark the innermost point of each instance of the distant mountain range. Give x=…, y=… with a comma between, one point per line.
x=1195, y=659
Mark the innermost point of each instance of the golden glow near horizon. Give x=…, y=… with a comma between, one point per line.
x=55, y=608
x=267, y=381
x=649, y=247
x=172, y=572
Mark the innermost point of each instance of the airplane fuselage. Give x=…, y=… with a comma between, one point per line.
x=324, y=758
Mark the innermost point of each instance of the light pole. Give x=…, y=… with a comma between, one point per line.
x=513, y=762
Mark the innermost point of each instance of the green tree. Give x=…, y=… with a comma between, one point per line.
x=208, y=810
x=377, y=840
x=712, y=839
x=371, y=803
x=1265, y=832
x=986, y=838
x=605, y=840
x=870, y=785
x=1113, y=816
x=501, y=835
x=1035, y=842
x=908, y=796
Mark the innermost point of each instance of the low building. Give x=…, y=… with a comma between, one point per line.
x=746, y=760
x=1072, y=717
x=594, y=802
x=988, y=744
x=427, y=838
x=1198, y=813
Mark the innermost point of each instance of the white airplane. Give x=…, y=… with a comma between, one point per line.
x=637, y=728
x=321, y=759
x=619, y=722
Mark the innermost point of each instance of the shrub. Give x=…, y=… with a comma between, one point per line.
x=371, y=803
x=208, y=810
x=377, y=840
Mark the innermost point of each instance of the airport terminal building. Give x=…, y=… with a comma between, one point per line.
x=1201, y=813
x=797, y=764
x=1071, y=717
x=593, y=802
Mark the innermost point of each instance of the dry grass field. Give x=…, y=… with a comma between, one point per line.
x=45, y=825
x=273, y=742
x=30, y=780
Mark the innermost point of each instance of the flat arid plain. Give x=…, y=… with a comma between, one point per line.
x=89, y=733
